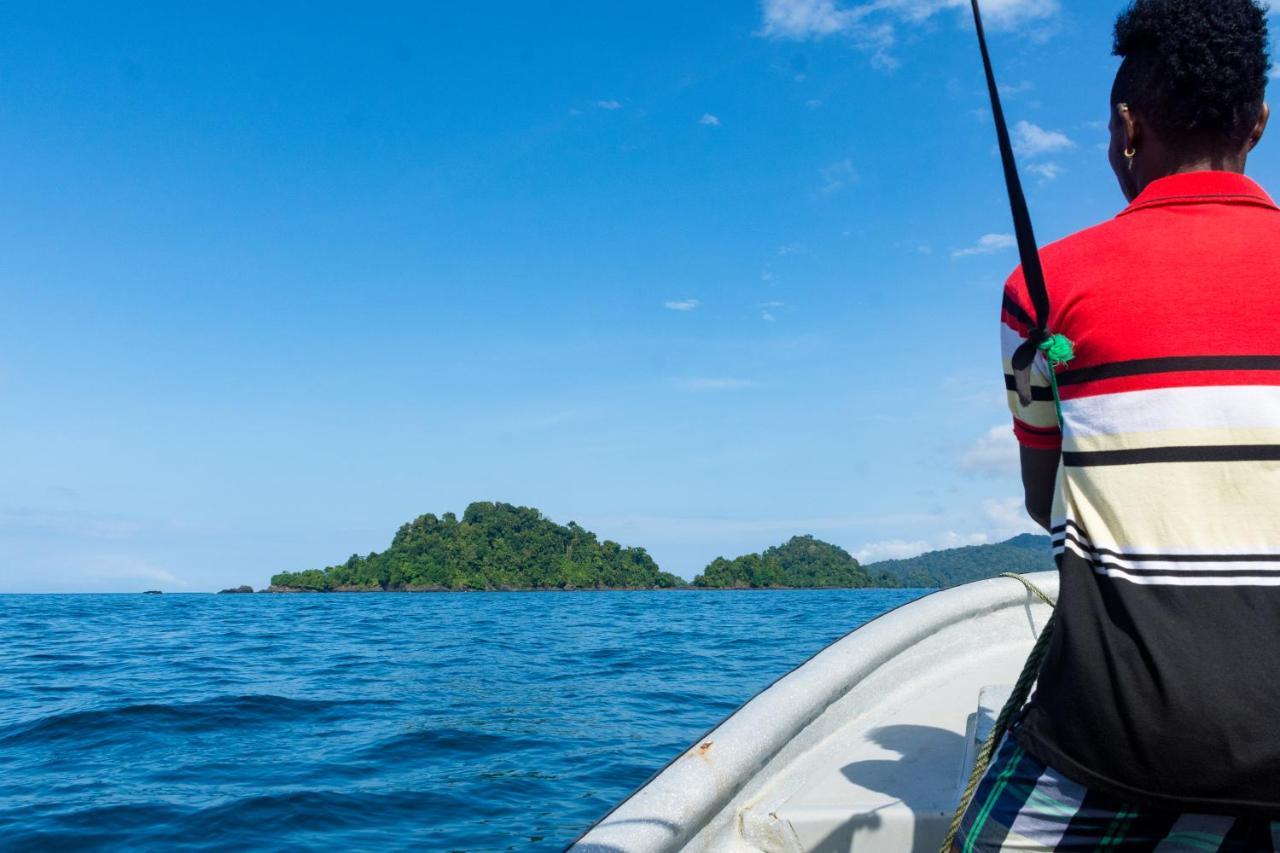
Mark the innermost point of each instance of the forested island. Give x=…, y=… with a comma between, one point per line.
x=803, y=562
x=500, y=546
x=494, y=546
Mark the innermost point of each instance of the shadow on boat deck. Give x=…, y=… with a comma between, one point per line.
x=925, y=748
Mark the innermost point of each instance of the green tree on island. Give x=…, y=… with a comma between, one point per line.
x=497, y=546
x=494, y=546
x=803, y=562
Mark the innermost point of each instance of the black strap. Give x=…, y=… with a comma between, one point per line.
x=1032, y=273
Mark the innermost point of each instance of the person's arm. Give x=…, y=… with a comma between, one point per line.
x=1035, y=425
x=1039, y=476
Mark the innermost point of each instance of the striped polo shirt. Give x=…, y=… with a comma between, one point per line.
x=1162, y=684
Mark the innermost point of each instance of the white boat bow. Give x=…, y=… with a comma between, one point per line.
x=864, y=747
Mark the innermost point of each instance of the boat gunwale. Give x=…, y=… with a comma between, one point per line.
x=967, y=606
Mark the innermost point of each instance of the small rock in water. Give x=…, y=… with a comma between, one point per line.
x=241, y=588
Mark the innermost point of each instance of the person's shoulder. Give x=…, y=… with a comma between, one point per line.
x=1066, y=254
x=1086, y=243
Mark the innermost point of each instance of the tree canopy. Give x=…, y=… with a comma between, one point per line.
x=499, y=546
x=494, y=546
x=803, y=561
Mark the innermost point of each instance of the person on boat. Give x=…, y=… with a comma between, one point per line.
x=1156, y=719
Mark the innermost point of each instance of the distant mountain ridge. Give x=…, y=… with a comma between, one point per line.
x=1027, y=552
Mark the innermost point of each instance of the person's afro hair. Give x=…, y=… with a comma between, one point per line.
x=1196, y=69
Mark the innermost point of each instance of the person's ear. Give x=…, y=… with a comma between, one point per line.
x=1130, y=127
x=1260, y=128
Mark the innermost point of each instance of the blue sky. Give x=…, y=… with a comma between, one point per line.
x=698, y=276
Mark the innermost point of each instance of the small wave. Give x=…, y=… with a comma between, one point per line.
x=237, y=823
x=216, y=713
x=673, y=699
x=319, y=810
x=497, y=725
x=446, y=742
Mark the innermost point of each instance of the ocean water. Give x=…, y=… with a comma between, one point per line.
x=488, y=721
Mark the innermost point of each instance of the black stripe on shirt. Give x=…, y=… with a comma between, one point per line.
x=1106, y=565
x=1168, y=558
x=1186, y=573
x=1016, y=311
x=1150, y=455
x=1170, y=364
x=1038, y=392
x=1069, y=522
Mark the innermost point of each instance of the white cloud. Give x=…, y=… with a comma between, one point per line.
x=768, y=308
x=994, y=454
x=1008, y=517
x=873, y=24
x=1046, y=171
x=951, y=539
x=1031, y=140
x=709, y=120
x=1012, y=13
x=681, y=304
x=837, y=176
x=890, y=549
x=124, y=567
x=901, y=549
x=1013, y=89
x=813, y=103
x=789, y=249
x=715, y=384
x=988, y=244
x=803, y=19
x=609, y=105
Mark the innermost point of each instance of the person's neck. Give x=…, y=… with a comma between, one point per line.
x=1164, y=168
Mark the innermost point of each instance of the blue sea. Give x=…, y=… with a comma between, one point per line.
x=482, y=721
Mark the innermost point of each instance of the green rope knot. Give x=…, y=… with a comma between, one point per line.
x=1058, y=349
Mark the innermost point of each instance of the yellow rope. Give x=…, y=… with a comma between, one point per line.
x=1018, y=698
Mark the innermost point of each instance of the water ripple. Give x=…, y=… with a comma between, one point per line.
x=492, y=721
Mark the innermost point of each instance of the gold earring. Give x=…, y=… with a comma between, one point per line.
x=1129, y=154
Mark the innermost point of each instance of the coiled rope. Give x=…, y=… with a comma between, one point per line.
x=1018, y=698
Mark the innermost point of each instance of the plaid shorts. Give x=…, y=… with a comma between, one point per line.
x=1022, y=804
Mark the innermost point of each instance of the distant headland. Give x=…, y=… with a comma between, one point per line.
x=500, y=546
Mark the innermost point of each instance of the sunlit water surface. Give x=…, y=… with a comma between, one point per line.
x=492, y=721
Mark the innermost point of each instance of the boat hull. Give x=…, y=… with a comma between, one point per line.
x=865, y=746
